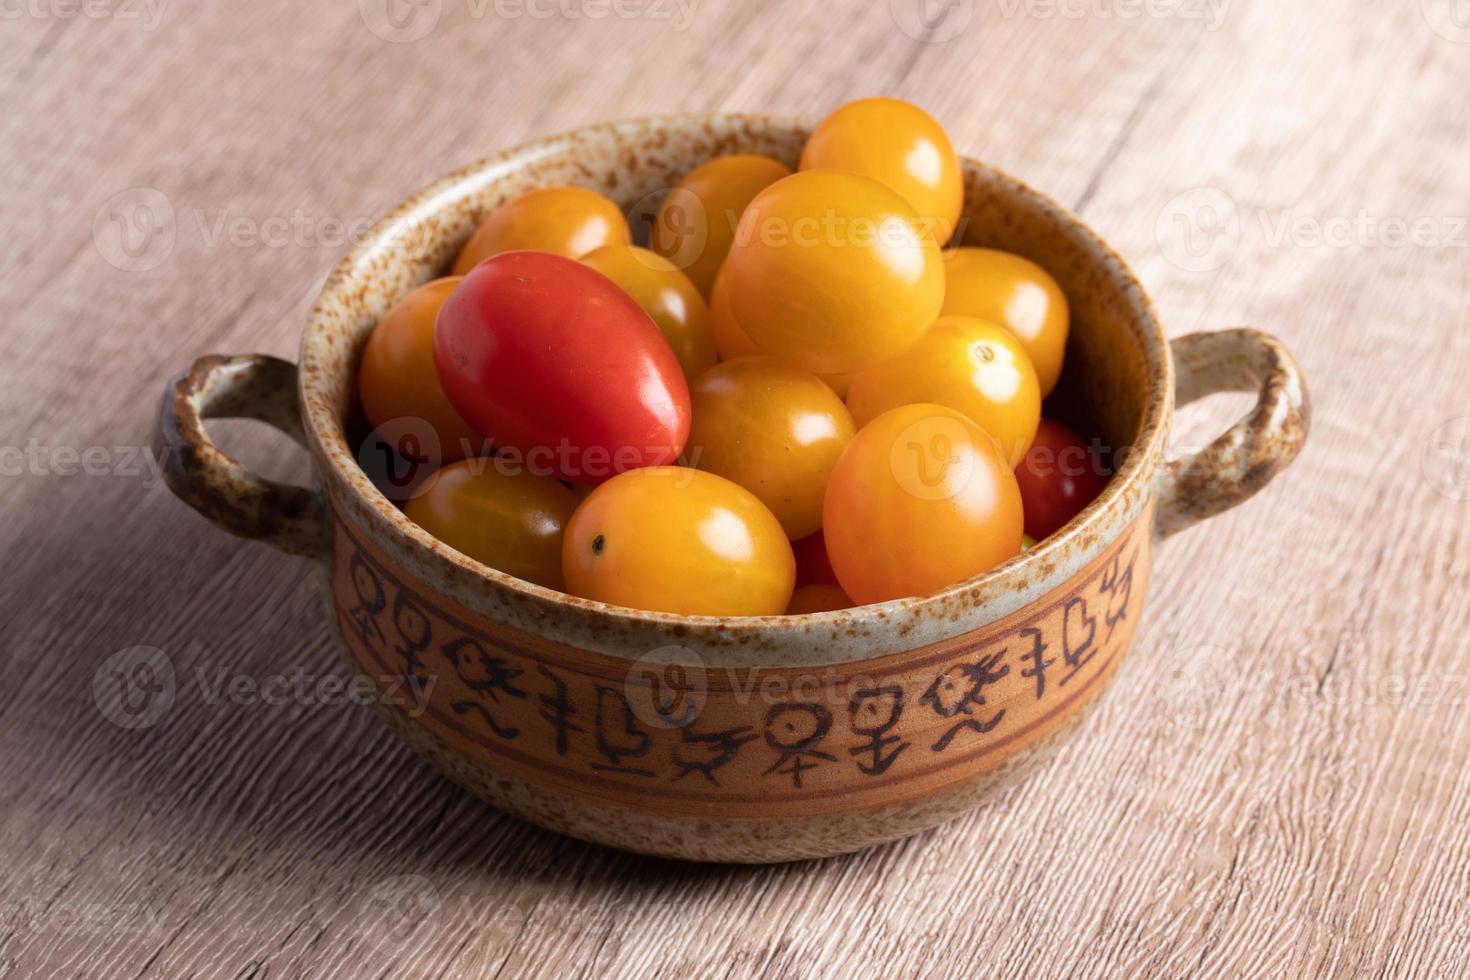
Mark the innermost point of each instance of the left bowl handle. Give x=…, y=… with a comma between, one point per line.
x=249, y=386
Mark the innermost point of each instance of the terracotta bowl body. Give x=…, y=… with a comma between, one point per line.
x=742, y=739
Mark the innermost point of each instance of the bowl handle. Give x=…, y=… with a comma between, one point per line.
x=249, y=386
x=1239, y=463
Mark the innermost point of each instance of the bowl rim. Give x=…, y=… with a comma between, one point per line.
x=327, y=439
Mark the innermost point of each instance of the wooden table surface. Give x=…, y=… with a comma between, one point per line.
x=1276, y=785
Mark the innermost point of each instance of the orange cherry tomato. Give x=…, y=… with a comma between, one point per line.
x=567, y=221
x=920, y=499
x=897, y=144
x=679, y=540
x=976, y=368
x=696, y=222
x=508, y=519
x=817, y=598
x=833, y=272
x=775, y=430
x=667, y=296
x=399, y=387
x=1019, y=295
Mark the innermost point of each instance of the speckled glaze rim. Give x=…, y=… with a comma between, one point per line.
x=415, y=241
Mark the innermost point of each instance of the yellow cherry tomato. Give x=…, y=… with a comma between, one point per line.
x=1019, y=295
x=667, y=296
x=976, y=368
x=817, y=598
x=832, y=272
x=732, y=340
x=679, y=540
x=774, y=429
x=920, y=499
x=399, y=386
x=897, y=144
x=730, y=337
x=569, y=221
x=696, y=222
x=839, y=383
x=508, y=519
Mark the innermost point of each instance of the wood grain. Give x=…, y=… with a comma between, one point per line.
x=1275, y=785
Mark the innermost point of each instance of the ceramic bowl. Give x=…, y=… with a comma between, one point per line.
x=732, y=739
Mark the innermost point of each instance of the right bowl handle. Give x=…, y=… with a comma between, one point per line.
x=1251, y=452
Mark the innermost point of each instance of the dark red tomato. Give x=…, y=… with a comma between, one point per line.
x=813, y=567
x=560, y=369
x=1059, y=476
